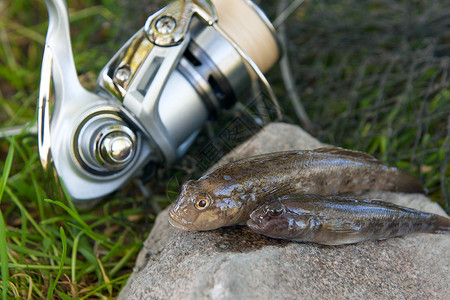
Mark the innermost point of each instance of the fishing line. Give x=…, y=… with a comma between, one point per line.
x=286, y=13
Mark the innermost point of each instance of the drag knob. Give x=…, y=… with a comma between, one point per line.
x=117, y=148
x=104, y=144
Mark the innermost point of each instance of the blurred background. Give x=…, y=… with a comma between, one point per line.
x=366, y=75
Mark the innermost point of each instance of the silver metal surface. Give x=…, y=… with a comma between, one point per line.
x=174, y=20
x=226, y=61
x=165, y=25
x=103, y=143
x=181, y=116
x=117, y=148
x=44, y=138
x=130, y=56
x=123, y=73
x=143, y=94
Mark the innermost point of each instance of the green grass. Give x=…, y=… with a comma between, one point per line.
x=49, y=249
x=355, y=89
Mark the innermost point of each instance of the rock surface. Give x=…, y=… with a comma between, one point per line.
x=234, y=263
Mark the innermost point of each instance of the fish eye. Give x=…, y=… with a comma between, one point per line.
x=275, y=211
x=202, y=203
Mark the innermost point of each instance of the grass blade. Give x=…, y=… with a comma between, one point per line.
x=122, y=278
x=22, y=208
x=74, y=256
x=84, y=226
x=6, y=169
x=3, y=245
x=61, y=263
x=128, y=255
x=4, y=257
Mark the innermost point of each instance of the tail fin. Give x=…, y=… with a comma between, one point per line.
x=406, y=183
x=443, y=224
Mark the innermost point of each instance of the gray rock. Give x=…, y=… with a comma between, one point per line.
x=235, y=263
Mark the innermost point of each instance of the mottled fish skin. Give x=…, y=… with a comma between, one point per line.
x=229, y=193
x=337, y=220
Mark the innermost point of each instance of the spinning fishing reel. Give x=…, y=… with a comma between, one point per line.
x=190, y=61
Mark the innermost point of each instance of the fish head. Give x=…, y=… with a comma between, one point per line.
x=275, y=220
x=269, y=219
x=196, y=209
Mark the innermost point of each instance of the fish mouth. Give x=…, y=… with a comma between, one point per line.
x=175, y=223
x=254, y=221
x=253, y=224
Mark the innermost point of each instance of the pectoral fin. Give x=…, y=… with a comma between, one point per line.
x=340, y=226
x=274, y=192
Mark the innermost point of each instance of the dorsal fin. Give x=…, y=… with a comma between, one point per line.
x=346, y=152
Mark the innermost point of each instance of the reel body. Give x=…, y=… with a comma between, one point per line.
x=153, y=97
